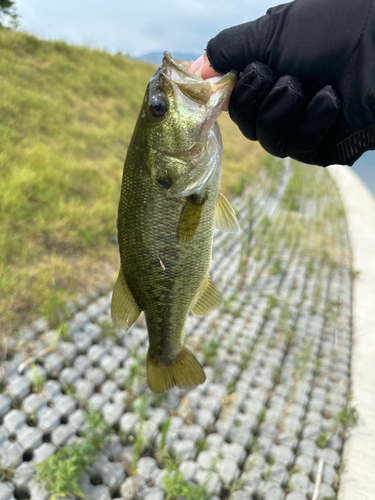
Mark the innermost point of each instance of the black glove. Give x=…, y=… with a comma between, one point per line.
x=297, y=64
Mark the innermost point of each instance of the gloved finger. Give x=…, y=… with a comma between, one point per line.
x=278, y=114
x=250, y=91
x=306, y=137
x=238, y=46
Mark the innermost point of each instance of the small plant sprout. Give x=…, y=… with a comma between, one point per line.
x=37, y=381
x=347, y=417
x=321, y=442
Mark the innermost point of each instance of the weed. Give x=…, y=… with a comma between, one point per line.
x=176, y=487
x=60, y=472
x=37, y=381
x=354, y=274
x=276, y=266
x=201, y=445
x=231, y=386
x=139, y=443
x=209, y=350
x=262, y=416
x=276, y=375
x=347, y=417
x=321, y=442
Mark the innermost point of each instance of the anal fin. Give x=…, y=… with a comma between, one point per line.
x=184, y=372
x=209, y=299
x=225, y=216
x=124, y=309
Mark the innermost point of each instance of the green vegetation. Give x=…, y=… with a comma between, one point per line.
x=60, y=472
x=321, y=442
x=347, y=417
x=176, y=487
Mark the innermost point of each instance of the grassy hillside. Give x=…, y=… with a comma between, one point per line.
x=66, y=119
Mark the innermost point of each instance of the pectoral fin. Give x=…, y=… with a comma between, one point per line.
x=124, y=309
x=225, y=216
x=189, y=220
x=209, y=299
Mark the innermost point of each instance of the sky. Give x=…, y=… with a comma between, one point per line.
x=137, y=27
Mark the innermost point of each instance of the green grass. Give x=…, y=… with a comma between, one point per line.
x=67, y=116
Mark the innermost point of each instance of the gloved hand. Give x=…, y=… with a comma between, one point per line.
x=307, y=79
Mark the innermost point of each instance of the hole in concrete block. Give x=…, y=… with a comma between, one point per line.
x=63, y=419
x=21, y=494
x=28, y=455
x=47, y=437
x=116, y=493
x=31, y=421
x=95, y=480
x=13, y=437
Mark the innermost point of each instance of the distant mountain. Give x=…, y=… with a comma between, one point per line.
x=156, y=57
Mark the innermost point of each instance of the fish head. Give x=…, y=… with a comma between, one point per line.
x=178, y=119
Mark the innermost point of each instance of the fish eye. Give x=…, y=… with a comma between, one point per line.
x=158, y=107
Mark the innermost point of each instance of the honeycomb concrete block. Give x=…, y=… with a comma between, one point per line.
x=68, y=351
x=120, y=353
x=52, y=390
x=82, y=341
x=189, y=469
x=96, y=375
x=48, y=418
x=34, y=403
x=14, y=421
x=94, y=331
x=129, y=422
x=5, y=402
x=147, y=467
x=305, y=463
x=82, y=363
x=192, y=432
x=301, y=482
x=30, y=437
x=112, y=413
x=109, y=388
x=96, y=353
x=114, y=475
x=43, y=451
x=184, y=449
x=228, y=470
x=6, y=491
x=53, y=362
x=11, y=454
x=65, y=405
x=62, y=434
x=69, y=376
x=84, y=388
x=98, y=401
x=19, y=387
x=234, y=451
x=204, y=418
x=23, y=478
x=273, y=491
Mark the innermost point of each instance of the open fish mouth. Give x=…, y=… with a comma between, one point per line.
x=212, y=92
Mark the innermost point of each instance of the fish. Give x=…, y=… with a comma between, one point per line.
x=169, y=204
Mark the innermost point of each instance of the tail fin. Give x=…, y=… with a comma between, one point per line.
x=185, y=372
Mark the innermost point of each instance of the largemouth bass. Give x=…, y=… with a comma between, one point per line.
x=169, y=203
